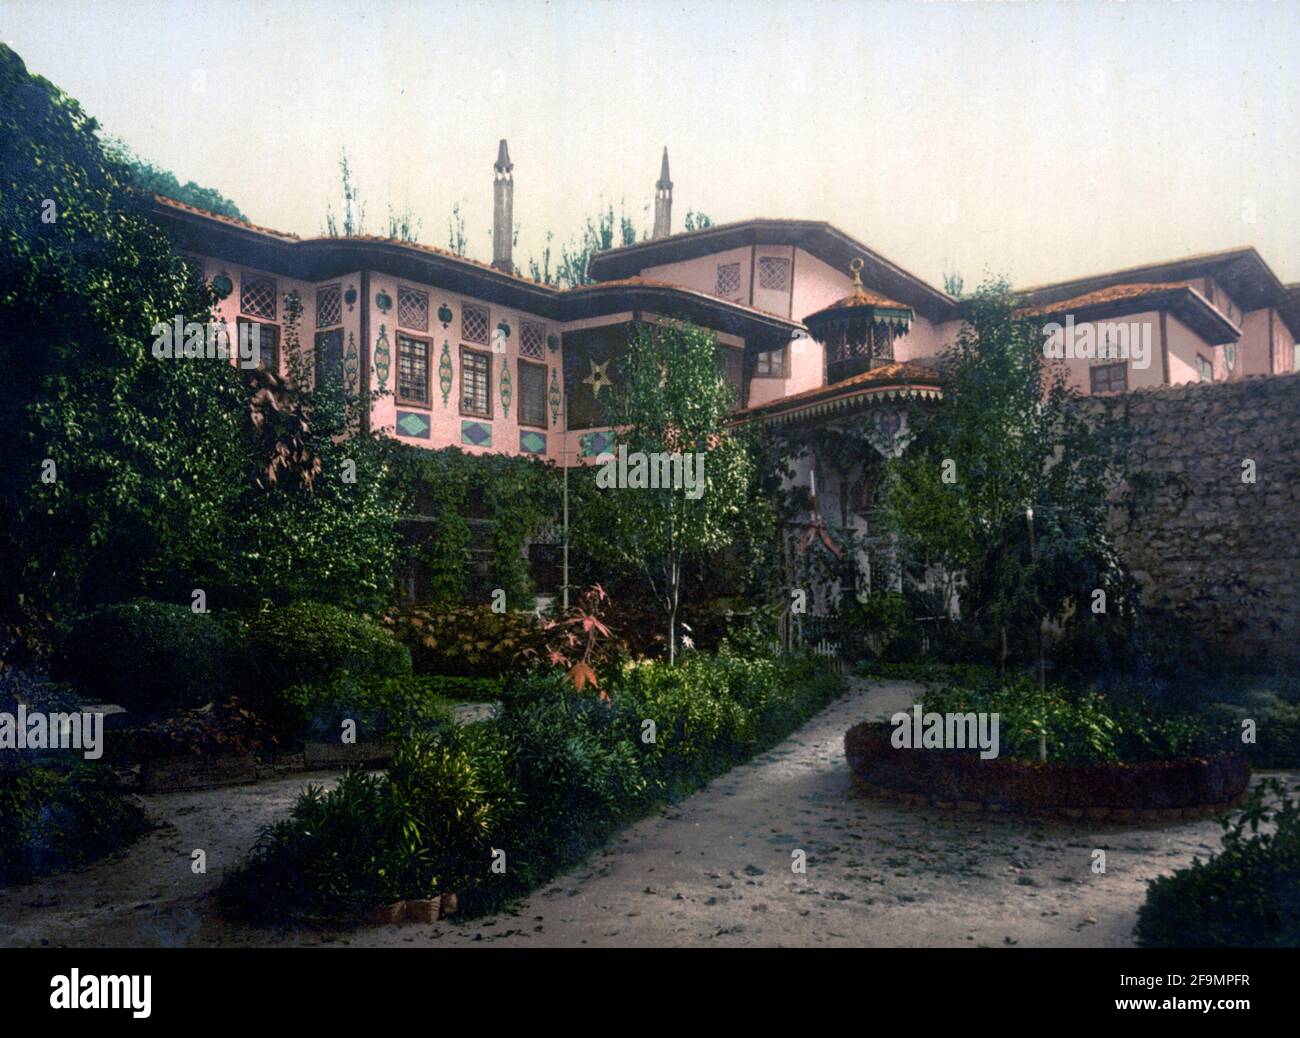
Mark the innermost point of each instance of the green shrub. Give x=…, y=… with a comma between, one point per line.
x=1246, y=896
x=1277, y=729
x=376, y=838
x=382, y=708
x=308, y=643
x=548, y=779
x=61, y=819
x=1081, y=727
x=147, y=656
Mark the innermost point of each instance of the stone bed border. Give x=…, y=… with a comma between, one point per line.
x=1192, y=787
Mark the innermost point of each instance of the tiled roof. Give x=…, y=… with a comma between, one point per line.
x=1180, y=298
x=863, y=297
x=896, y=376
x=233, y=221
x=1114, y=293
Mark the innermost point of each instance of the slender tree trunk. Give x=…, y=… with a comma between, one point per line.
x=1002, y=659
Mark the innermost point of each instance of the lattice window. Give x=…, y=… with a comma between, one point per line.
x=728, y=279
x=329, y=306
x=257, y=296
x=474, y=323
x=412, y=309
x=532, y=340
x=773, y=273
x=412, y=370
x=475, y=383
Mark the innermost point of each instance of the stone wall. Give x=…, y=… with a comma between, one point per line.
x=1209, y=546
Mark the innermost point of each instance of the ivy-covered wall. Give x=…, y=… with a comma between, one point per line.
x=470, y=520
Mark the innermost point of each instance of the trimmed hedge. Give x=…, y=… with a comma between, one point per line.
x=1246, y=896
x=147, y=656
x=310, y=642
x=382, y=708
x=548, y=780
x=60, y=819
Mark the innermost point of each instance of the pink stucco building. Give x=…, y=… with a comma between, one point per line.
x=475, y=355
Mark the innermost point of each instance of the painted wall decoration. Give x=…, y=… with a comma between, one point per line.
x=350, y=368
x=445, y=315
x=593, y=444
x=350, y=297
x=222, y=285
x=532, y=442
x=507, y=389
x=411, y=423
x=383, y=357
x=555, y=396
x=384, y=301
x=475, y=434
x=445, y=372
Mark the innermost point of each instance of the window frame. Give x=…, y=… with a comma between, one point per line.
x=486, y=355
x=522, y=363
x=783, y=262
x=334, y=286
x=1098, y=368
x=411, y=290
x=717, y=280
x=265, y=324
x=427, y=403
x=1201, y=359
x=783, y=373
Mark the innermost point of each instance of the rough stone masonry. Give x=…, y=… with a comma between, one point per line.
x=1207, y=544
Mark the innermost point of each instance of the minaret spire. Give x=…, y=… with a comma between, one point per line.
x=503, y=207
x=663, y=201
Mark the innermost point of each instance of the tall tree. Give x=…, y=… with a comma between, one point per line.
x=151, y=179
x=1007, y=482
x=672, y=402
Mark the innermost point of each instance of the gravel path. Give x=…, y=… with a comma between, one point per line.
x=714, y=869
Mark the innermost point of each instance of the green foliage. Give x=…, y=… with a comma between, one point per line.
x=155, y=486
x=550, y=778
x=882, y=625
x=382, y=708
x=1013, y=436
x=147, y=656
x=1246, y=896
x=153, y=180
x=672, y=400
x=1081, y=727
x=376, y=838
x=309, y=642
x=602, y=231
x=447, y=488
x=61, y=819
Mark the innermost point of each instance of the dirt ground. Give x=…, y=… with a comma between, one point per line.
x=714, y=869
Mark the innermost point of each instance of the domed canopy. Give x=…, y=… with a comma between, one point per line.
x=858, y=331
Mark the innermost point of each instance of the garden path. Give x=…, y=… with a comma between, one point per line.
x=714, y=869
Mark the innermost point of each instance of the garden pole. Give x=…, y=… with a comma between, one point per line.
x=1042, y=668
x=564, y=447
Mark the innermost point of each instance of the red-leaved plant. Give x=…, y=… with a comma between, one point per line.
x=575, y=638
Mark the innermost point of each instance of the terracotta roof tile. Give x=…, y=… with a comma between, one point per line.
x=902, y=373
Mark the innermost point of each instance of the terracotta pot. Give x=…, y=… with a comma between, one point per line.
x=393, y=913
x=449, y=904
x=423, y=910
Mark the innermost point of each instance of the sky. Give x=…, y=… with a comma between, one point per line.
x=1036, y=141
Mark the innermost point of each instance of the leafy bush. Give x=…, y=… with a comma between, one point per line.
x=376, y=838
x=1277, y=729
x=1081, y=727
x=381, y=707
x=37, y=691
x=216, y=728
x=58, y=820
x=309, y=642
x=147, y=656
x=547, y=780
x=470, y=641
x=1246, y=896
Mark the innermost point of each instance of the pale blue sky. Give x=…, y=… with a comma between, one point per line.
x=1041, y=140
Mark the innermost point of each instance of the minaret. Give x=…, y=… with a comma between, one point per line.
x=503, y=209
x=663, y=202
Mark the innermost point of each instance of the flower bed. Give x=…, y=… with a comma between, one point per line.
x=1185, y=787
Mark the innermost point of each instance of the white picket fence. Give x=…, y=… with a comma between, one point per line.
x=790, y=637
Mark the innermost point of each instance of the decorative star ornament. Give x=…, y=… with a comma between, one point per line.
x=598, y=379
